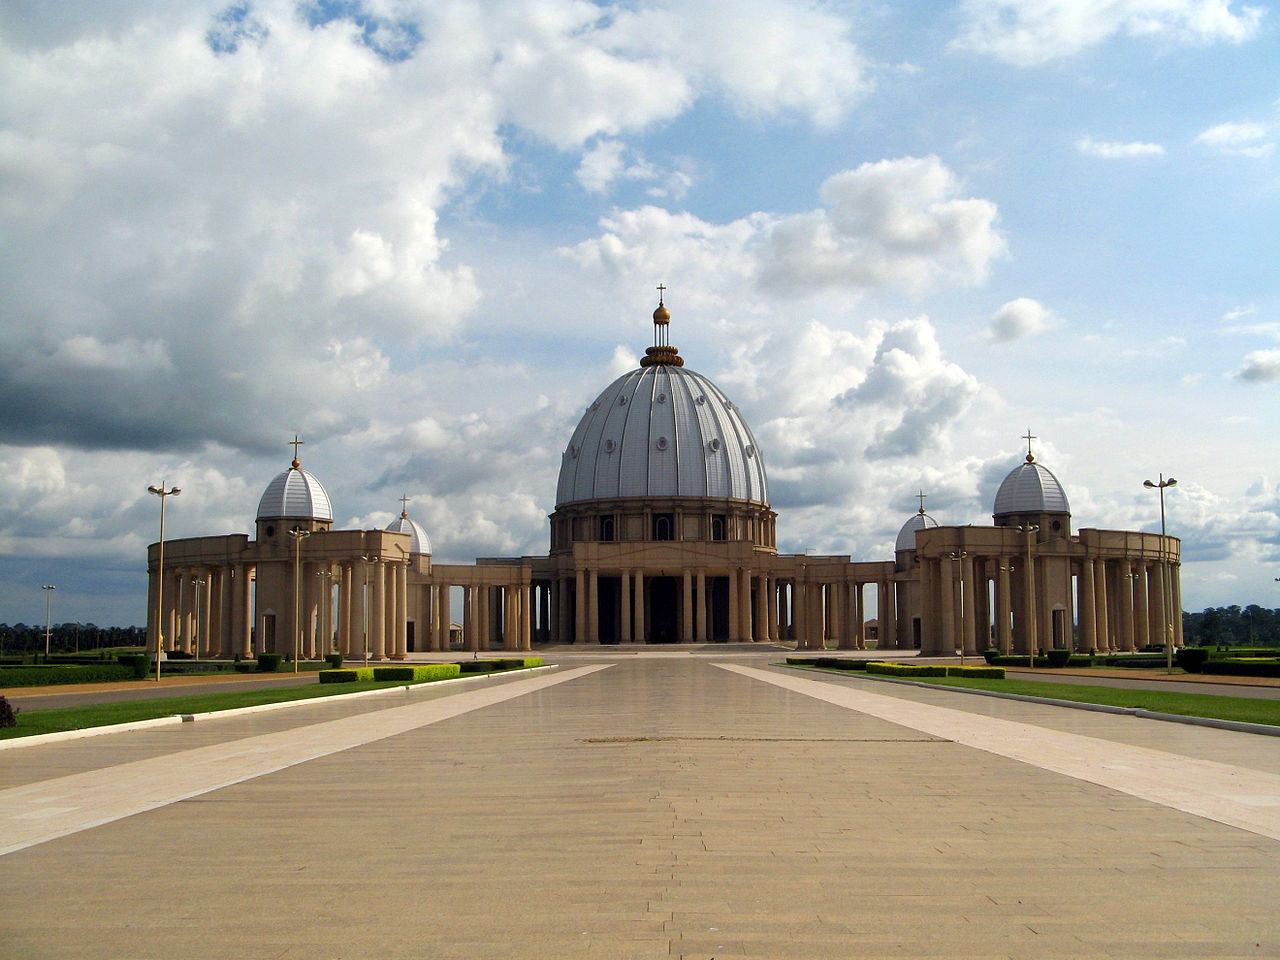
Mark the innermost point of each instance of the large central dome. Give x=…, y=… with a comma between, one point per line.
x=662, y=431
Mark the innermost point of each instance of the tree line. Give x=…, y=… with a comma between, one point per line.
x=21, y=638
x=1236, y=626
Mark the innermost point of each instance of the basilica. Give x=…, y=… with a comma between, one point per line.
x=662, y=532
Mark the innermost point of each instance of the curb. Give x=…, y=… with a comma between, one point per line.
x=1264, y=729
x=45, y=738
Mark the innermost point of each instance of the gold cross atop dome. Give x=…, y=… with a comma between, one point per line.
x=404, y=506
x=295, y=443
x=661, y=354
x=921, y=497
x=1029, y=436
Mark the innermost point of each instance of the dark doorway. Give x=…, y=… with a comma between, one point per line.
x=718, y=590
x=409, y=637
x=664, y=610
x=609, y=590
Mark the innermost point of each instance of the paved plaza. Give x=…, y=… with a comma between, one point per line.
x=654, y=804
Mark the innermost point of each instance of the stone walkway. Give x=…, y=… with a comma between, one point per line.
x=673, y=806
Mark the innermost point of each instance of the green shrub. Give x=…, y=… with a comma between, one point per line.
x=1058, y=657
x=1192, y=659
x=1135, y=660
x=139, y=663
x=991, y=655
x=269, y=662
x=987, y=673
x=8, y=714
x=246, y=666
x=334, y=660
x=339, y=676
x=1232, y=653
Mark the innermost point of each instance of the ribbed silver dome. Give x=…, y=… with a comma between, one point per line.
x=420, y=542
x=907, y=535
x=1030, y=488
x=662, y=431
x=295, y=494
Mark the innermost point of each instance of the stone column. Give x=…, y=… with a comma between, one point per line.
x=402, y=610
x=735, y=611
x=641, y=634
x=1158, y=604
x=859, y=618
x=746, y=633
x=800, y=613
x=1086, y=613
x=1175, y=588
x=686, y=608
x=524, y=593
x=969, y=608
x=1124, y=601
x=444, y=617
x=770, y=607
x=580, y=605
x=593, y=606
x=624, y=591
x=378, y=613
x=1141, y=620
x=1003, y=606
x=947, y=641
x=1102, y=630
x=702, y=607
x=762, y=631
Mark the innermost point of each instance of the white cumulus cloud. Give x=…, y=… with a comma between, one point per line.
x=1020, y=318
x=1239, y=139
x=1118, y=150
x=1260, y=366
x=1029, y=33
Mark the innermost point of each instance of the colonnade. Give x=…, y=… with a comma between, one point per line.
x=1090, y=603
x=361, y=608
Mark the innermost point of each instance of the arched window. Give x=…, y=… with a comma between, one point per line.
x=663, y=526
x=606, y=529
x=719, y=526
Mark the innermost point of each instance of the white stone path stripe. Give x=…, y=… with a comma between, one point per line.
x=1248, y=799
x=39, y=812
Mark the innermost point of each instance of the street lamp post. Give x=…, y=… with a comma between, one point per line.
x=163, y=494
x=1168, y=583
x=298, y=535
x=48, y=589
x=368, y=562
x=1029, y=529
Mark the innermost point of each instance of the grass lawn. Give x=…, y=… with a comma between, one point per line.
x=31, y=722
x=1241, y=709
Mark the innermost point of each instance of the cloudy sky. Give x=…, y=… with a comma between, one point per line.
x=424, y=235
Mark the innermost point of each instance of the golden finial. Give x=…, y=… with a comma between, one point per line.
x=404, y=507
x=1029, y=437
x=662, y=314
x=295, y=443
x=661, y=354
x=920, y=497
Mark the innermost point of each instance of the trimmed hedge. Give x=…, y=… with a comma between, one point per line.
x=139, y=663
x=398, y=673
x=334, y=660
x=493, y=666
x=985, y=673
x=1243, y=668
x=1191, y=659
x=1231, y=653
x=906, y=669
x=339, y=676
x=1135, y=660
x=1058, y=657
x=269, y=662
x=75, y=673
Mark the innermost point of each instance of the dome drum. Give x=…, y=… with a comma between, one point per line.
x=684, y=519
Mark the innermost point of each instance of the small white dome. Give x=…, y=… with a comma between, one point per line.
x=1030, y=488
x=420, y=542
x=907, y=535
x=295, y=495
